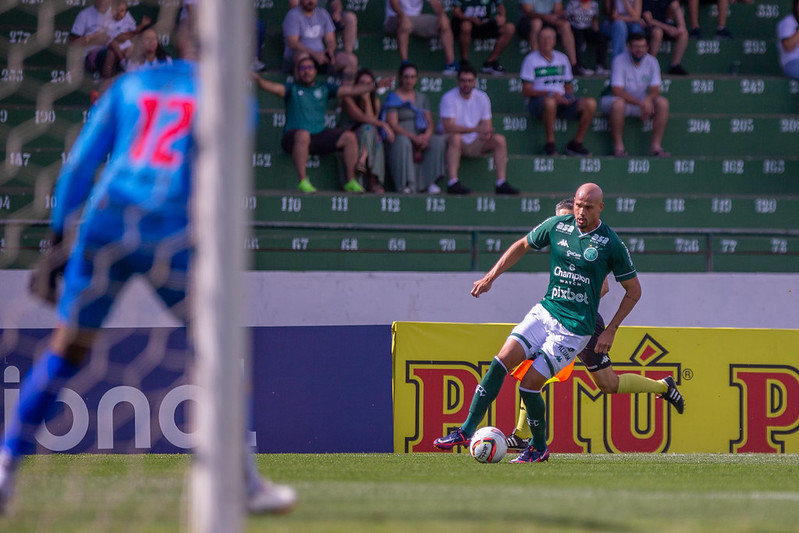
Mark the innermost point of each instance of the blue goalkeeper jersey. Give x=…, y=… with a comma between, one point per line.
x=142, y=126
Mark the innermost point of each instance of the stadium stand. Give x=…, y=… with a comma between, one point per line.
x=727, y=199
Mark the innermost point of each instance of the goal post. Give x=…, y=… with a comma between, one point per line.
x=223, y=179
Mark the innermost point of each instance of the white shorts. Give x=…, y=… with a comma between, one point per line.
x=551, y=346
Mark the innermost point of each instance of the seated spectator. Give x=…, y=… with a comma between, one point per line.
x=625, y=18
x=466, y=120
x=346, y=22
x=416, y=157
x=305, y=132
x=360, y=114
x=404, y=18
x=664, y=19
x=481, y=19
x=693, y=18
x=88, y=31
x=583, y=16
x=147, y=52
x=788, y=42
x=120, y=28
x=537, y=14
x=635, y=85
x=547, y=85
x=309, y=30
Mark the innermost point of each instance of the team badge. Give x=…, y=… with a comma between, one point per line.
x=590, y=254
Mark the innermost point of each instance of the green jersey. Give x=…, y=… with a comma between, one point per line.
x=579, y=263
x=306, y=106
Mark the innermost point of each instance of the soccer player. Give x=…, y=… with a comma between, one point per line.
x=599, y=365
x=135, y=222
x=583, y=251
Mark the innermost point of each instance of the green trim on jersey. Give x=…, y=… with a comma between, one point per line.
x=579, y=262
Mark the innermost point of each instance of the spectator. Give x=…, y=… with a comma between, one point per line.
x=147, y=52
x=537, y=14
x=308, y=30
x=466, y=121
x=416, y=157
x=346, y=22
x=693, y=17
x=664, y=19
x=120, y=28
x=88, y=31
x=788, y=42
x=547, y=85
x=404, y=18
x=360, y=114
x=625, y=18
x=305, y=132
x=635, y=85
x=482, y=19
x=583, y=16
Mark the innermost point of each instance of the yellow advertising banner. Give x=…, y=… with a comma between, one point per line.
x=741, y=389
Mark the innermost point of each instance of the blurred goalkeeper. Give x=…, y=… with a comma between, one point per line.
x=135, y=221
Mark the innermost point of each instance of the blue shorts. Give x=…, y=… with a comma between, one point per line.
x=568, y=112
x=106, y=255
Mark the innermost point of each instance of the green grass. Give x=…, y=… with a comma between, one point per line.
x=423, y=492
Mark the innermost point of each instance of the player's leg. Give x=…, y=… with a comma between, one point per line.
x=530, y=391
x=659, y=122
x=462, y=30
x=454, y=145
x=519, y=439
x=349, y=30
x=504, y=37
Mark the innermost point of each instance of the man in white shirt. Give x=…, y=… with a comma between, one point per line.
x=466, y=120
x=404, y=18
x=547, y=85
x=788, y=42
x=635, y=92
x=88, y=31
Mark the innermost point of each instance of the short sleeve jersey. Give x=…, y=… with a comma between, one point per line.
x=547, y=75
x=114, y=27
x=635, y=80
x=466, y=112
x=310, y=30
x=785, y=29
x=481, y=9
x=580, y=17
x=579, y=262
x=541, y=6
x=306, y=106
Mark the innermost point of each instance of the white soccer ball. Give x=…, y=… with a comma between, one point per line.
x=488, y=445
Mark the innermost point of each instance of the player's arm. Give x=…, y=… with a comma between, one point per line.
x=508, y=259
x=632, y=293
x=278, y=89
x=605, y=288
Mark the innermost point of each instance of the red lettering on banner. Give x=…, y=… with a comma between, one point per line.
x=563, y=414
x=769, y=406
x=637, y=422
x=444, y=393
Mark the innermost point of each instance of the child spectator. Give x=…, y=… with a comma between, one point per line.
x=120, y=28
x=147, y=52
x=583, y=15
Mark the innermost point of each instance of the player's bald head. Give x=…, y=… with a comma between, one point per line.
x=589, y=191
x=588, y=205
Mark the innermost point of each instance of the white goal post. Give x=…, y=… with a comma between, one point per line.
x=223, y=179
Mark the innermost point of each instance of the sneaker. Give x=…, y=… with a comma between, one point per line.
x=354, y=186
x=723, y=33
x=306, y=187
x=695, y=33
x=456, y=438
x=531, y=455
x=516, y=443
x=8, y=478
x=457, y=188
x=602, y=71
x=493, y=68
x=549, y=149
x=672, y=395
x=271, y=498
x=506, y=188
x=575, y=148
x=450, y=69
x=579, y=70
x=677, y=70
x=433, y=189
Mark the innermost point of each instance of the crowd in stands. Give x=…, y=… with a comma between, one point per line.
x=396, y=143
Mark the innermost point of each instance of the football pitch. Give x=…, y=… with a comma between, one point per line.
x=428, y=492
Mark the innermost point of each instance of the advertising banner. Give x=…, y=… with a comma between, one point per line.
x=741, y=389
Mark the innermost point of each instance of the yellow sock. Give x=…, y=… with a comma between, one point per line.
x=635, y=383
x=522, y=427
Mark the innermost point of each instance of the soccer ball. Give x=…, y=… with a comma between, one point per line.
x=488, y=445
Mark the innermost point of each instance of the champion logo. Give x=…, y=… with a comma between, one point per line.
x=563, y=243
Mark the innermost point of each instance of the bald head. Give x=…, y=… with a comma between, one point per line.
x=588, y=205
